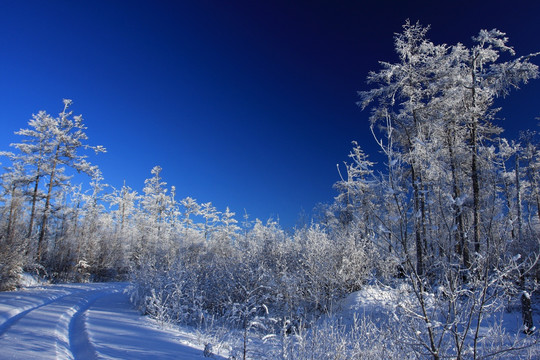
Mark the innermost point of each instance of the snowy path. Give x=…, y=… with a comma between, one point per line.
x=83, y=321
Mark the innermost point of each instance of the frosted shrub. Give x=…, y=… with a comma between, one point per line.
x=335, y=340
x=156, y=304
x=10, y=266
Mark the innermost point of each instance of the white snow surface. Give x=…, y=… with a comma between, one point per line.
x=380, y=303
x=376, y=302
x=85, y=321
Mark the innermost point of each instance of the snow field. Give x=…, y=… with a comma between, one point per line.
x=84, y=321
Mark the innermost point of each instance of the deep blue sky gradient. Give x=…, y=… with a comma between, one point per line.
x=247, y=104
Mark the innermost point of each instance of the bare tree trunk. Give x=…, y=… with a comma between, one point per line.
x=518, y=199
x=47, y=207
x=33, y=210
x=418, y=232
x=462, y=244
x=476, y=189
x=474, y=160
x=419, y=209
x=526, y=309
x=11, y=215
x=526, y=312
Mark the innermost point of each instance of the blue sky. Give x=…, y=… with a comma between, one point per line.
x=247, y=104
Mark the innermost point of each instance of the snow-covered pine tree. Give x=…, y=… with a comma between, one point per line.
x=48, y=146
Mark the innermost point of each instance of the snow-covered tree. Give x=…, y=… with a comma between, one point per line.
x=211, y=219
x=49, y=145
x=155, y=198
x=434, y=107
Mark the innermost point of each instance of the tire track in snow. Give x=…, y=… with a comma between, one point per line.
x=80, y=345
x=92, y=321
x=18, y=311
x=49, y=330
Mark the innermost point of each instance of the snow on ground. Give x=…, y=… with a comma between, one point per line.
x=85, y=321
x=28, y=280
x=97, y=321
x=379, y=302
x=375, y=301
